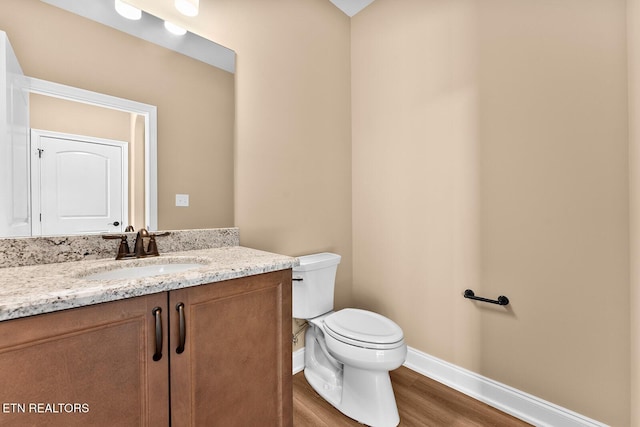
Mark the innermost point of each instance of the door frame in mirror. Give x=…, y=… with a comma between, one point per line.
x=149, y=112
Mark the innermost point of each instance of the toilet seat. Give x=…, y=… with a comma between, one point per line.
x=364, y=329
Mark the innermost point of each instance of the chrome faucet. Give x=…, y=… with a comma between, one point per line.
x=139, y=250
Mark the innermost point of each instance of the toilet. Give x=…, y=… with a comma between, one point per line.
x=348, y=353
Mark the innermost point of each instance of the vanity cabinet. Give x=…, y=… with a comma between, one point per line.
x=225, y=359
x=235, y=369
x=86, y=366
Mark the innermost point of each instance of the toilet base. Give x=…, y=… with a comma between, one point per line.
x=363, y=395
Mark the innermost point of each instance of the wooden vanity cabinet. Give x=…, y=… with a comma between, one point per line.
x=233, y=370
x=95, y=361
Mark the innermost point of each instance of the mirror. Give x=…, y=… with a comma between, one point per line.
x=194, y=101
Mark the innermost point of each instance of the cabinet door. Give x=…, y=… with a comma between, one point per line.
x=85, y=366
x=235, y=369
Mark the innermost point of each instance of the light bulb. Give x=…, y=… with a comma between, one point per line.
x=128, y=11
x=174, y=29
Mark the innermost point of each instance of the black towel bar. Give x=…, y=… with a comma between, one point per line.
x=502, y=300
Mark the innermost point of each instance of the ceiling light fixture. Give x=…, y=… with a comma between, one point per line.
x=174, y=29
x=187, y=7
x=128, y=11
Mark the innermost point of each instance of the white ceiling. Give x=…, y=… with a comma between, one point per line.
x=351, y=7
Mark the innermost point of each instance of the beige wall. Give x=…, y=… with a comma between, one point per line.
x=293, y=134
x=633, y=29
x=195, y=101
x=490, y=152
x=59, y=115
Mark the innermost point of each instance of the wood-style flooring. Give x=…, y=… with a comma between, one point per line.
x=421, y=402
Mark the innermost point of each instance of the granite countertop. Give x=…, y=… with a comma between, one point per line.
x=37, y=289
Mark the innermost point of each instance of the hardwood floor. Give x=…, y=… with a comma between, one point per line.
x=421, y=402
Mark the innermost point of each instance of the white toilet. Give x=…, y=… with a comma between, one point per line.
x=348, y=353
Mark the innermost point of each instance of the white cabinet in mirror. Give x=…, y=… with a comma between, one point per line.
x=15, y=215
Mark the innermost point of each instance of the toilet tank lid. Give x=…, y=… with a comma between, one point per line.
x=317, y=261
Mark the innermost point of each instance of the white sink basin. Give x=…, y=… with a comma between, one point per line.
x=142, y=271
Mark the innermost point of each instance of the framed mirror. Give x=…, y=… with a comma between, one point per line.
x=195, y=102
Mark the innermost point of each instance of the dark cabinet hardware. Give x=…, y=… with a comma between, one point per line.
x=182, y=327
x=156, y=314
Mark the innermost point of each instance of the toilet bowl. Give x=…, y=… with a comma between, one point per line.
x=348, y=353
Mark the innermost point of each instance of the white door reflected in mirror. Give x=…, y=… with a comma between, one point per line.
x=80, y=184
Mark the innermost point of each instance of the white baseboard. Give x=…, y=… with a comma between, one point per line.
x=521, y=405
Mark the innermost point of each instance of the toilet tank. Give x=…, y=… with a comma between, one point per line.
x=313, y=283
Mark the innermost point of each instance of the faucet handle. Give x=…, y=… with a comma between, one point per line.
x=113, y=236
x=164, y=233
x=152, y=249
x=123, y=248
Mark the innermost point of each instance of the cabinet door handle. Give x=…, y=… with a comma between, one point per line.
x=183, y=332
x=156, y=314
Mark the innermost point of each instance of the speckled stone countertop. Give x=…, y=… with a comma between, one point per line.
x=19, y=252
x=37, y=289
